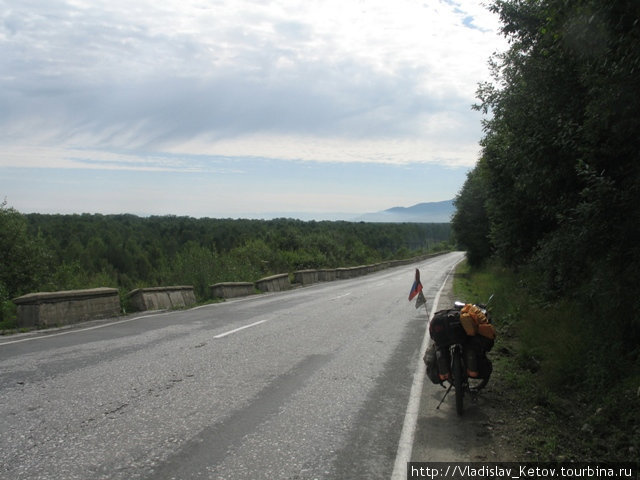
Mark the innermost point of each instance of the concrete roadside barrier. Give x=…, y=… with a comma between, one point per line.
x=305, y=277
x=161, y=298
x=231, y=289
x=72, y=306
x=274, y=283
x=343, y=273
x=48, y=309
x=327, y=275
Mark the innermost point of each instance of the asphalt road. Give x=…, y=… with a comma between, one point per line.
x=312, y=383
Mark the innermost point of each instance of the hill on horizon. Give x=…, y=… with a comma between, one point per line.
x=428, y=212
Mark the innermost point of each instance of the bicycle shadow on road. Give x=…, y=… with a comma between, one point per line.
x=444, y=436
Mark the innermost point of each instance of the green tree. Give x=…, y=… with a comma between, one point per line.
x=23, y=257
x=197, y=266
x=24, y=260
x=561, y=151
x=126, y=251
x=470, y=221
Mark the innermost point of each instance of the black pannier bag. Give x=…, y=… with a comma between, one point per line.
x=431, y=363
x=445, y=328
x=478, y=346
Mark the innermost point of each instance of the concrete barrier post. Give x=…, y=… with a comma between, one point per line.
x=161, y=298
x=274, y=283
x=305, y=277
x=231, y=289
x=47, y=309
x=327, y=275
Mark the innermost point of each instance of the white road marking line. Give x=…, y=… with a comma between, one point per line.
x=78, y=330
x=240, y=328
x=407, y=436
x=117, y=322
x=341, y=296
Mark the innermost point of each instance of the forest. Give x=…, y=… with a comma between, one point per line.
x=64, y=252
x=554, y=198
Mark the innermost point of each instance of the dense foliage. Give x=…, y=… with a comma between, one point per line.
x=22, y=257
x=556, y=191
x=553, y=392
x=470, y=222
x=59, y=252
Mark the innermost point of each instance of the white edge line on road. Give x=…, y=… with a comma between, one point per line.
x=240, y=328
x=117, y=322
x=77, y=330
x=405, y=445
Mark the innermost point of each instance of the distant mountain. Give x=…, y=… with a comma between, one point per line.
x=430, y=212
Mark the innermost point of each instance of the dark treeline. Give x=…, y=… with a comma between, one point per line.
x=556, y=194
x=59, y=252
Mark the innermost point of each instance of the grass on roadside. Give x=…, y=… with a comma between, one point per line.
x=563, y=396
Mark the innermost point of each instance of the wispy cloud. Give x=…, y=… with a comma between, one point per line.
x=151, y=77
x=219, y=88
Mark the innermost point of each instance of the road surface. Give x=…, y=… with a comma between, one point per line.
x=312, y=383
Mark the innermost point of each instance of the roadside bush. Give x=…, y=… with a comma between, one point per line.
x=553, y=357
x=7, y=310
x=25, y=262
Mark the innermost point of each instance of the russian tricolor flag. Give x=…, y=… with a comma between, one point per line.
x=417, y=286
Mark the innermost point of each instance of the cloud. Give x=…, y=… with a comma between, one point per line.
x=387, y=82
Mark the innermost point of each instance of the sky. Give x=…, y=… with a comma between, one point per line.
x=239, y=108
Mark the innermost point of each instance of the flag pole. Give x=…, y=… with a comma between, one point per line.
x=426, y=308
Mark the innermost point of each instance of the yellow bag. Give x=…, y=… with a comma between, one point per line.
x=487, y=330
x=469, y=324
x=474, y=321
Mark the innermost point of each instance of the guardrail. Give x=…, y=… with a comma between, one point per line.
x=47, y=309
x=327, y=275
x=161, y=298
x=274, y=283
x=277, y=283
x=231, y=289
x=306, y=277
x=66, y=307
